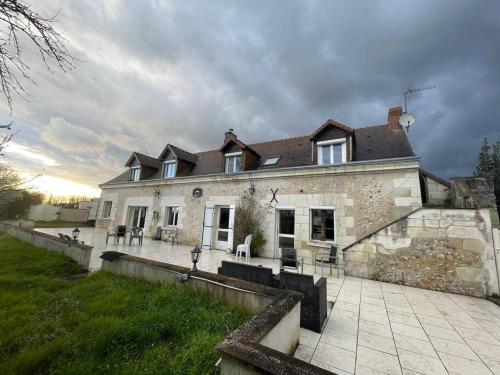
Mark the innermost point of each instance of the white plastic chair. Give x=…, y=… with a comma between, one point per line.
x=244, y=248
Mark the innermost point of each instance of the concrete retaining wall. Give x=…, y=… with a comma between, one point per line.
x=262, y=345
x=78, y=252
x=449, y=250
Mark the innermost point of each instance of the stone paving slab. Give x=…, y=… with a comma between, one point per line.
x=381, y=328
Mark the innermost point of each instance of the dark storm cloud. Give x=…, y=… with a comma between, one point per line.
x=167, y=72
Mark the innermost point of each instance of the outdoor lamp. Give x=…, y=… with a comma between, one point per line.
x=75, y=232
x=195, y=255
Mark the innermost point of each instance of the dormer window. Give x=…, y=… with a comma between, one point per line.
x=169, y=169
x=233, y=162
x=332, y=151
x=135, y=173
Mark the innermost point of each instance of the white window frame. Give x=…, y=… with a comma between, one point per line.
x=103, y=214
x=331, y=143
x=132, y=170
x=334, y=224
x=165, y=168
x=167, y=215
x=228, y=157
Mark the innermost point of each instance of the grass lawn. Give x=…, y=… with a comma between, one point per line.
x=60, y=224
x=53, y=323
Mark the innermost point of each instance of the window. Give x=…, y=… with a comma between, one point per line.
x=135, y=173
x=322, y=224
x=171, y=216
x=233, y=162
x=271, y=161
x=169, y=169
x=106, y=209
x=332, y=152
x=286, y=228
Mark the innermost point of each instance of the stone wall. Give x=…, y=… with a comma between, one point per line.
x=449, y=250
x=78, y=252
x=364, y=196
x=438, y=193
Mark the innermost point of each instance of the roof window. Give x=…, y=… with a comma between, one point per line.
x=272, y=161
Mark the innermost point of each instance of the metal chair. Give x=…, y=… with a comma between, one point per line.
x=289, y=259
x=136, y=232
x=245, y=247
x=174, y=235
x=119, y=232
x=328, y=260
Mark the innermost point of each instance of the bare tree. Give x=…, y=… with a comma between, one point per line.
x=11, y=185
x=19, y=22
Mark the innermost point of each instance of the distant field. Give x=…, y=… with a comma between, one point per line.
x=52, y=321
x=60, y=224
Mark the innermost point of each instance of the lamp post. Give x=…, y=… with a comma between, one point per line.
x=76, y=233
x=195, y=256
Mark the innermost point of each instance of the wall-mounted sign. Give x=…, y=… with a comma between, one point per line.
x=197, y=192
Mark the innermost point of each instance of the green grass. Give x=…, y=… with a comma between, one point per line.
x=60, y=224
x=101, y=324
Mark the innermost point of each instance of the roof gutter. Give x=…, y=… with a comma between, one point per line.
x=245, y=174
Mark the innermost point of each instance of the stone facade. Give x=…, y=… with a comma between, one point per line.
x=449, y=250
x=364, y=197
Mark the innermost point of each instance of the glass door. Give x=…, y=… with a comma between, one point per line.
x=286, y=229
x=222, y=237
x=137, y=216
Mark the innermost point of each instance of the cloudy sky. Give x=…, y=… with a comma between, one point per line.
x=183, y=72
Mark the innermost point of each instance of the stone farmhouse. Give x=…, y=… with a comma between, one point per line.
x=335, y=185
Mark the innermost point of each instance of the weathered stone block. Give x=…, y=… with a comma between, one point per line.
x=427, y=214
x=459, y=214
x=463, y=232
x=431, y=223
x=473, y=245
x=471, y=274
x=355, y=256
x=422, y=232
x=415, y=222
x=408, y=201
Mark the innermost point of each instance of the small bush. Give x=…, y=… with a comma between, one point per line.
x=248, y=219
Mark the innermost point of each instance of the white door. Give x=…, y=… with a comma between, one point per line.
x=230, y=240
x=208, y=219
x=222, y=232
x=286, y=229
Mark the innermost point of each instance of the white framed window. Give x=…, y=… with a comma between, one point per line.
x=169, y=169
x=233, y=162
x=272, y=161
x=171, y=216
x=135, y=173
x=332, y=152
x=106, y=209
x=322, y=224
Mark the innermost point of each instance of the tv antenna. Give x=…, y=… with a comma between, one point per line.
x=408, y=119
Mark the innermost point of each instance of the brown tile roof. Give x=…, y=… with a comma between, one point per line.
x=371, y=143
x=380, y=142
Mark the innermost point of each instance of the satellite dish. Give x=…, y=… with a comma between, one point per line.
x=407, y=120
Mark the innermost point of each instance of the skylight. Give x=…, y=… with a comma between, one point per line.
x=272, y=161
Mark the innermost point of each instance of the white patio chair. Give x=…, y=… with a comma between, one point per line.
x=244, y=248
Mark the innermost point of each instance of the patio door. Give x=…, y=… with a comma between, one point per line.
x=137, y=216
x=286, y=229
x=224, y=230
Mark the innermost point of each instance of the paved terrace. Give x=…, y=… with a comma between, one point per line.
x=374, y=327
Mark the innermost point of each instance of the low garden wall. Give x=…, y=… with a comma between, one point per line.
x=76, y=251
x=449, y=250
x=262, y=345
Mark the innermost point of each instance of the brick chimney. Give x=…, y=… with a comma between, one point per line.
x=393, y=118
x=229, y=134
